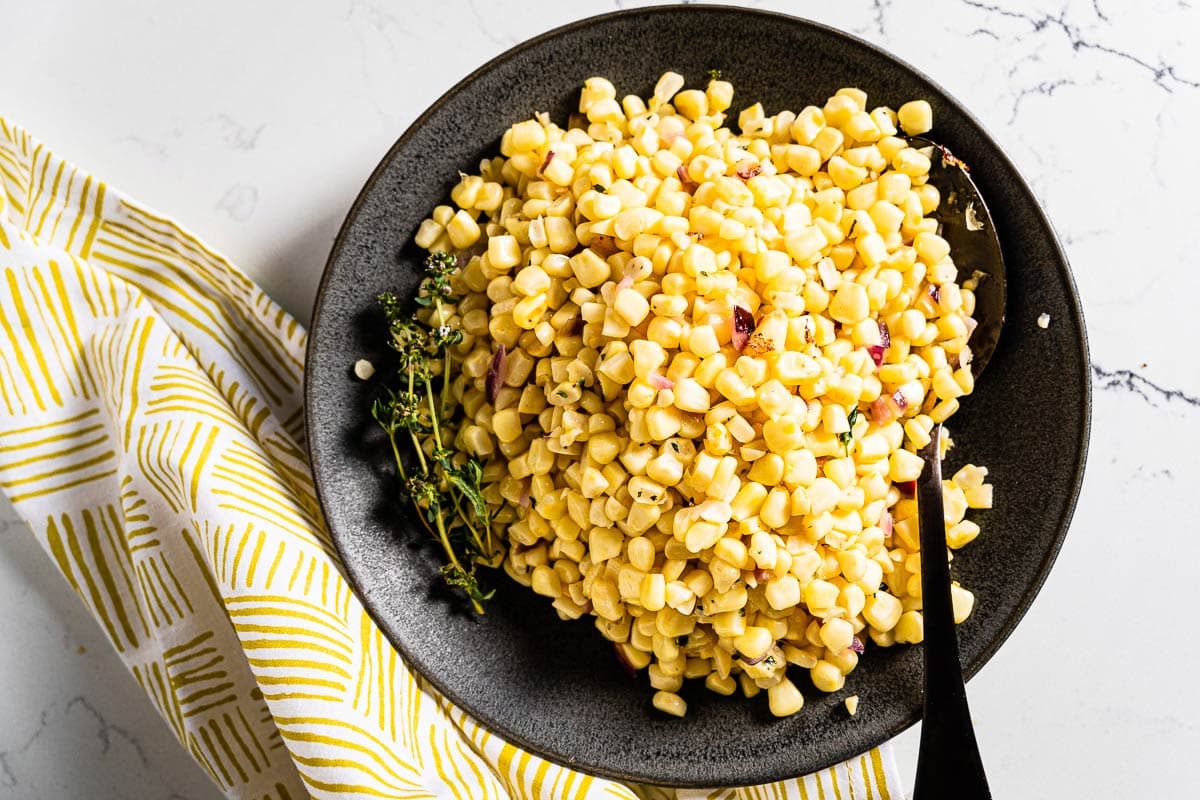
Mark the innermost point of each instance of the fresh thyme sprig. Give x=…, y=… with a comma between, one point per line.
x=445, y=485
x=848, y=436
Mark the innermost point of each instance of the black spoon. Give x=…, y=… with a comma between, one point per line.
x=949, y=765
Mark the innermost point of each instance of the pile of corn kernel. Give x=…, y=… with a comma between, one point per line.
x=726, y=499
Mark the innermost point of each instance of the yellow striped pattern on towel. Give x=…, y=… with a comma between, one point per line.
x=151, y=426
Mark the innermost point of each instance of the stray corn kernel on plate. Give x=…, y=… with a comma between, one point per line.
x=651, y=339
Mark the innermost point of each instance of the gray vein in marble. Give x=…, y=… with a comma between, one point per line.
x=984, y=32
x=1164, y=74
x=1071, y=238
x=1046, y=88
x=156, y=147
x=239, y=136
x=239, y=202
x=381, y=21
x=878, y=10
x=106, y=733
x=1142, y=472
x=1124, y=380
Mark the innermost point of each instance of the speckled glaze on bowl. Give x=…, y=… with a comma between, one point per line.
x=554, y=687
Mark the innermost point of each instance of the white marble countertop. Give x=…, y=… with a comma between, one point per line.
x=256, y=123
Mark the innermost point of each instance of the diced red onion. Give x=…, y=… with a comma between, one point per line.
x=546, y=162
x=856, y=645
x=689, y=185
x=750, y=661
x=885, y=523
x=743, y=326
x=661, y=381
x=935, y=293
x=877, y=351
x=900, y=400
x=881, y=411
x=497, y=373
x=524, y=500
x=625, y=282
x=746, y=171
x=761, y=575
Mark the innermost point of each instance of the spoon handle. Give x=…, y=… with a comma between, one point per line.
x=948, y=765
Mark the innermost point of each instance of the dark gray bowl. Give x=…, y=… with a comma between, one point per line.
x=553, y=687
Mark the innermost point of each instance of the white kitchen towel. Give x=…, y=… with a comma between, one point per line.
x=151, y=433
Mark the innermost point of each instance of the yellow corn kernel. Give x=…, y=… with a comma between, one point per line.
x=506, y=424
x=545, y=581
x=784, y=699
x=783, y=593
x=670, y=703
x=589, y=268
x=660, y=680
x=653, y=592
x=776, y=509
x=632, y=306
x=527, y=135
x=504, y=252
x=963, y=601
x=528, y=311
x=943, y=410
x=702, y=535
x=754, y=642
x=837, y=634
x=763, y=550
x=962, y=534
x=680, y=597
x=905, y=466
x=910, y=629
x=606, y=600
x=820, y=596
x=827, y=141
x=641, y=552
x=462, y=230
x=805, y=245
x=724, y=685
x=732, y=551
x=882, y=610
x=604, y=543
x=931, y=248
x=731, y=385
x=916, y=117
x=826, y=677
x=845, y=175
x=428, y=233
x=850, y=304
x=979, y=496
x=724, y=574
x=691, y=396
x=783, y=435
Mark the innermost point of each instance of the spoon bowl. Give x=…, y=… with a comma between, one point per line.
x=967, y=227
